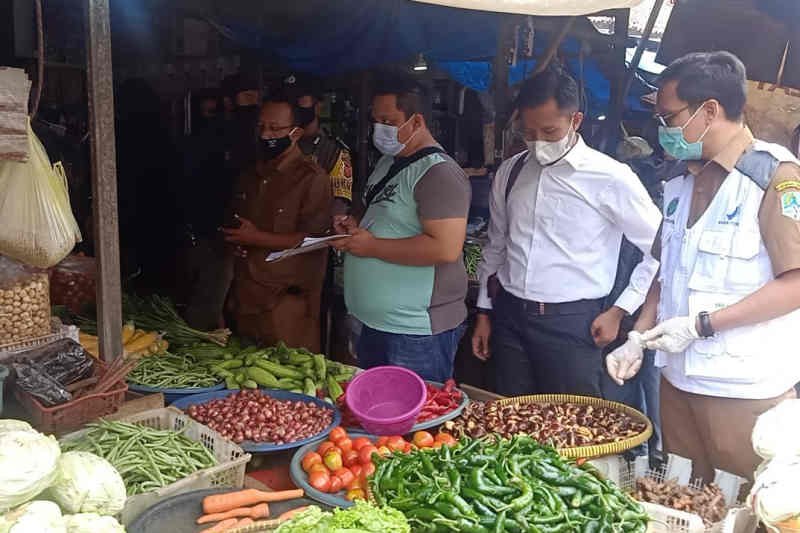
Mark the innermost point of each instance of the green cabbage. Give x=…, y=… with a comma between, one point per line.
x=34, y=517
x=92, y=523
x=87, y=483
x=27, y=466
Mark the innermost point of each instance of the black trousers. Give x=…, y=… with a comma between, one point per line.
x=545, y=348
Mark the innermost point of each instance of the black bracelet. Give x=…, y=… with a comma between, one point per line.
x=484, y=311
x=706, y=329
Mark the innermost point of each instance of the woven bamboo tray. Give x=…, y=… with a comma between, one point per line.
x=599, y=450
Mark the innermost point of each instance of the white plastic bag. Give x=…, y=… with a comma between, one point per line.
x=777, y=431
x=37, y=226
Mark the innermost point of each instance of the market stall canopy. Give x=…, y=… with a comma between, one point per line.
x=735, y=25
x=538, y=7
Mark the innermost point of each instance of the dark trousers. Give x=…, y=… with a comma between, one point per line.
x=536, y=353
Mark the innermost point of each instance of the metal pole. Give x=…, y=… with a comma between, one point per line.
x=551, y=51
x=502, y=104
x=637, y=55
x=104, y=178
x=617, y=98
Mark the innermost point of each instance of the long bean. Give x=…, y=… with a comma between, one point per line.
x=146, y=458
x=172, y=372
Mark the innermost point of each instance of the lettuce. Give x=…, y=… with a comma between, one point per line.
x=362, y=517
x=28, y=462
x=87, y=483
x=92, y=523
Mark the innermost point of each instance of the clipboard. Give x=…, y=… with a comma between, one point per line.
x=309, y=244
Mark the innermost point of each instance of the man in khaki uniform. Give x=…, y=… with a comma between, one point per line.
x=281, y=200
x=727, y=297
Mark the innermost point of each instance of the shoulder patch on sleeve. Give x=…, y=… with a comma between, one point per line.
x=785, y=185
x=790, y=204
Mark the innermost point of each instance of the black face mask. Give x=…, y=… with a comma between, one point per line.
x=272, y=148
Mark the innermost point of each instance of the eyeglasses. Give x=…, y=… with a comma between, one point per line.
x=662, y=118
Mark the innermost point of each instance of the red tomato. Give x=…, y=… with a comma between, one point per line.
x=319, y=467
x=381, y=441
x=345, y=475
x=368, y=470
x=365, y=454
x=345, y=445
x=360, y=442
x=355, y=483
x=396, y=444
x=338, y=433
x=438, y=444
x=310, y=459
x=423, y=439
x=320, y=481
x=356, y=470
x=447, y=439
x=336, y=484
x=350, y=458
x=325, y=446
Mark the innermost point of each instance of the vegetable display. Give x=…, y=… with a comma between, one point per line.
x=439, y=401
x=146, y=458
x=343, y=463
x=72, y=283
x=86, y=483
x=136, y=342
x=563, y=425
x=506, y=485
x=363, y=517
x=707, y=502
x=472, y=258
x=38, y=516
x=24, y=304
x=255, y=416
x=173, y=372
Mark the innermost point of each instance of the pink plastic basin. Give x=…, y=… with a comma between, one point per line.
x=386, y=400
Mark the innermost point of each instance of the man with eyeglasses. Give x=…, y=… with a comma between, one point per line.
x=281, y=200
x=723, y=314
x=559, y=211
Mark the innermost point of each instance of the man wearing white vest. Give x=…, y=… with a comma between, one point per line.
x=727, y=297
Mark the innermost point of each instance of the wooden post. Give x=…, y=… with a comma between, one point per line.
x=104, y=178
x=616, y=104
x=500, y=88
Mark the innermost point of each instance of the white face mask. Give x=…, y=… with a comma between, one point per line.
x=384, y=137
x=548, y=152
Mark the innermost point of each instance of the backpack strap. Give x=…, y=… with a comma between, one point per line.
x=515, y=170
x=759, y=166
x=399, y=164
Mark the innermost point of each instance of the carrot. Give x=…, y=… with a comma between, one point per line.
x=259, y=511
x=222, y=526
x=292, y=513
x=220, y=503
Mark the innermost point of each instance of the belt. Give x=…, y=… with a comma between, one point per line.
x=561, y=308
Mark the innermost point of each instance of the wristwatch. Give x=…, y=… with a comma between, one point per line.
x=706, y=329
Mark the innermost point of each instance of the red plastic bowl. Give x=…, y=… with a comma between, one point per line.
x=386, y=400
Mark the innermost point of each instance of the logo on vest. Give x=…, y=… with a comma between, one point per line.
x=671, y=208
x=790, y=205
x=731, y=218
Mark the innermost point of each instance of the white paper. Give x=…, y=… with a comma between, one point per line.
x=309, y=244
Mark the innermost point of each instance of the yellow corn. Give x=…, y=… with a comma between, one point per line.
x=142, y=342
x=164, y=345
x=128, y=331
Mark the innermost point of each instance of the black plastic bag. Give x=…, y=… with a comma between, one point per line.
x=45, y=372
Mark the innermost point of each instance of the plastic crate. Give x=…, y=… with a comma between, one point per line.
x=70, y=416
x=229, y=471
x=58, y=331
x=665, y=520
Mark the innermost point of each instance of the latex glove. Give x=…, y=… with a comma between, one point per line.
x=672, y=336
x=624, y=362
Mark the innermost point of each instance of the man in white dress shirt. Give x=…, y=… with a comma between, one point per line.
x=554, y=241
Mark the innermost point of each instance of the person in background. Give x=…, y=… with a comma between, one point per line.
x=554, y=241
x=723, y=314
x=282, y=199
x=320, y=147
x=241, y=105
x=404, y=276
x=207, y=185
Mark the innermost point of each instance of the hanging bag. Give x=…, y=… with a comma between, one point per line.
x=37, y=226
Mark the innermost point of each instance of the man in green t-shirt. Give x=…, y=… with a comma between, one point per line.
x=404, y=277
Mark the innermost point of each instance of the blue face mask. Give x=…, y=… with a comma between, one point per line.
x=675, y=144
x=385, y=138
